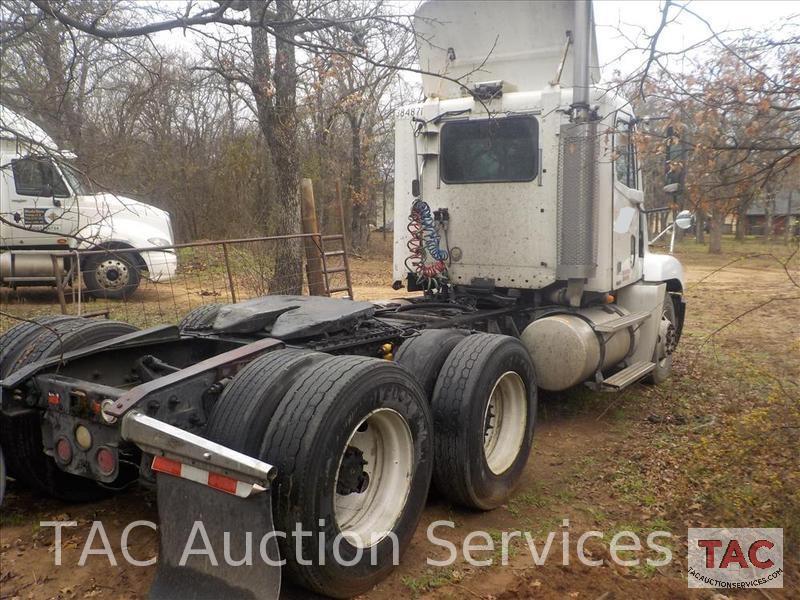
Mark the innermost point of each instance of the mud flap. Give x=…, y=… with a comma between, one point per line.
x=193, y=562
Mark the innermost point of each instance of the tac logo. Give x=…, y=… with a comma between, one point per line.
x=737, y=558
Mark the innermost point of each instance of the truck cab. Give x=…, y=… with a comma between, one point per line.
x=519, y=180
x=48, y=204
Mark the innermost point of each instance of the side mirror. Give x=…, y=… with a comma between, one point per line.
x=683, y=220
x=415, y=188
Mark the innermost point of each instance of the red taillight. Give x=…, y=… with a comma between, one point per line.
x=106, y=461
x=64, y=450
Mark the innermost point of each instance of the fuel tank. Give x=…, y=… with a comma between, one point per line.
x=566, y=350
x=33, y=266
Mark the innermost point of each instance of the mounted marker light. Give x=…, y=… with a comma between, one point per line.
x=63, y=450
x=83, y=437
x=106, y=461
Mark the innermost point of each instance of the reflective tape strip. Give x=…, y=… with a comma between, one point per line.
x=223, y=483
x=165, y=465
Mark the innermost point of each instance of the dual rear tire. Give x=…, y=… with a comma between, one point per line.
x=484, y=410
x=482, y=391
x=352, y=442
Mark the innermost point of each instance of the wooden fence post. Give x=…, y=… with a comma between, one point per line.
x=313, y=245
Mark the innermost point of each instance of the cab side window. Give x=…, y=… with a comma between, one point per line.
x=37, y=177
x=625, y=165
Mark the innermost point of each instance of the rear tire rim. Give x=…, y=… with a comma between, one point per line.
x=112, y=274
x=383, y=438
x=505, y=420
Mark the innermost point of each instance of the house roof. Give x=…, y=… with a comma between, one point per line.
x=780, y=206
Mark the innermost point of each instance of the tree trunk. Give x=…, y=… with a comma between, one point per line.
x=261, y=86
x=359, y=223
x=768, y=210
x=788, y=224
x=61, y=92
x=699, y=227
x=717, y=221
x=277, y=114
x=741, y=219
x=288, y=259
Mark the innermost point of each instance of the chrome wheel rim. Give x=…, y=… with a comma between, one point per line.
x=112, y=274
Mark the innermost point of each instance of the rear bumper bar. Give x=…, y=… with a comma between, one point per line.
x=163, y=440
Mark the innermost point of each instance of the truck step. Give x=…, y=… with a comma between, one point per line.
x=627, y=376
x=622, y=323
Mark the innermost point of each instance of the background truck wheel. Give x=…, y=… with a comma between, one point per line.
x=484, y=411
x=425, y=354
x=14, y=340
x=21, y=436
x=200, y=318
x=665, y=345
x=240, y=417
x=112, y=275
x=351, y=442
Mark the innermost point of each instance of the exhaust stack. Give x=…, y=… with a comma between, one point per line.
x=582, y=35
x=577, y=175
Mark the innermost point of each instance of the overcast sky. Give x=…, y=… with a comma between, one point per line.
x=721, y=14
x=633, y=17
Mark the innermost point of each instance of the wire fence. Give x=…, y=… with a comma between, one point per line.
x=160, y=284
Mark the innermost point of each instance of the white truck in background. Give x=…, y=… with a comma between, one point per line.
x=48, y=205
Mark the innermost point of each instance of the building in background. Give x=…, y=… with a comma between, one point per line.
x=783, y=210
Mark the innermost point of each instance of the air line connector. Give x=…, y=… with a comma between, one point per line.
x=441, y=216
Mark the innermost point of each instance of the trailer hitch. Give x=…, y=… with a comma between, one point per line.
x=217, y=538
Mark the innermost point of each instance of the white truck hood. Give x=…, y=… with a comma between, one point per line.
x=113, y=218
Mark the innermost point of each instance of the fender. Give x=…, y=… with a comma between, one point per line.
x=666, y=268
x=663, y=267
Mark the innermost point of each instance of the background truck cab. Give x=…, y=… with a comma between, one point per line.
x=47, y=204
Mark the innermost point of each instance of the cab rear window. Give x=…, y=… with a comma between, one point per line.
x=489, y=150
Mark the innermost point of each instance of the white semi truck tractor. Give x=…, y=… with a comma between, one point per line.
x=47, y=205
x=328, y=418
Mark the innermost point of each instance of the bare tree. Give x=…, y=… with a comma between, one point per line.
x=734, y=107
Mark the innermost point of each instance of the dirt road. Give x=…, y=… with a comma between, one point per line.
x=716, y=446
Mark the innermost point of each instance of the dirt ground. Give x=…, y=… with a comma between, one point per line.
x=714, y=446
